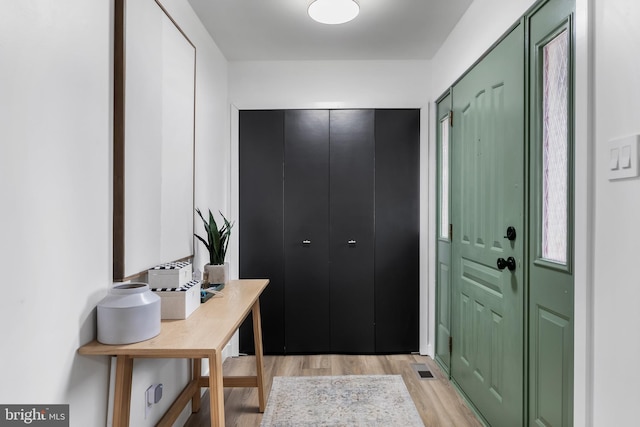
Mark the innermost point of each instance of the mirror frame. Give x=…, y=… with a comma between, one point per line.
x=119, y=144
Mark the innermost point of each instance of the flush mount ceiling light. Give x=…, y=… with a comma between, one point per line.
x=333, y=11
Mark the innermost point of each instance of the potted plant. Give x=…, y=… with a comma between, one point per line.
x=216, y=272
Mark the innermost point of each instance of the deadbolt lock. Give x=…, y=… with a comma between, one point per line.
x=511, y=233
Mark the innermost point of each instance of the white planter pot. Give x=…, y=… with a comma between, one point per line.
x=216, y=274
x=129, y=313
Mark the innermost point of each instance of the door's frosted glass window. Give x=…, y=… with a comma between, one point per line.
x=444, y=178
x=555, y=84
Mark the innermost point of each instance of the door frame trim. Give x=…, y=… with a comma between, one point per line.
x=584, y=208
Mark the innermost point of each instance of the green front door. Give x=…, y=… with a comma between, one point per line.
x=487, y=200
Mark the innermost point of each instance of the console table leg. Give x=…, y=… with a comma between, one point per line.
x=257, y=337
x=216, y=390
x=122, y=394
x=196, y=374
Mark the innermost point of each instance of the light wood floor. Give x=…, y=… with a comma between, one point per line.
x=436, y=400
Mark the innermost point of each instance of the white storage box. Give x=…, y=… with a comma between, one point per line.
x=170, y=275
x=179, y=302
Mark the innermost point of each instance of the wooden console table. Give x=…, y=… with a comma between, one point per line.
x=203, y=335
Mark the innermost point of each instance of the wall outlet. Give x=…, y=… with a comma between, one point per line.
x=152, y=395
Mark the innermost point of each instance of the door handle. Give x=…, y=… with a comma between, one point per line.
x=306, y=242
x=351, y=242
x=509, y=263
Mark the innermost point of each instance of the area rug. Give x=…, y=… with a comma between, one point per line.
x=340, y=401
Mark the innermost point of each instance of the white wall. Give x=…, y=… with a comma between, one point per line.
x=329, y=84
x=617, y=270
x=56, y=192
x=55, y=188
x=337, y=84
x=479, y=28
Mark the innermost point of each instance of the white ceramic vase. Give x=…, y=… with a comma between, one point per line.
x=129, y=313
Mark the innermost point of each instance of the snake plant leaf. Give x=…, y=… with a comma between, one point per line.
x=206, y=225
x=217, y=238
x=203, y=241
x=206, y=228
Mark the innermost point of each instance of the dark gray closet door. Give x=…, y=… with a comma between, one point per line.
x=352, y=230
x=397, y=244
x=260, y=222
x=306, y=231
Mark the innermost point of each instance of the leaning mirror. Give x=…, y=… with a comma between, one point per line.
x=154, y=118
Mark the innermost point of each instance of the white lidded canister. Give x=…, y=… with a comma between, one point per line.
x=129, y=313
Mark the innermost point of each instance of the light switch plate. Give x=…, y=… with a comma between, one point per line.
x=614, y=159
x=623, y=157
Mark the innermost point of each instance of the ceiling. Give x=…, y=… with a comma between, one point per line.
x=258, y=30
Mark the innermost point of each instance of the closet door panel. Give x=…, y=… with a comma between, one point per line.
x=352, y=230
x=397, y=230
x=260, y=222
x=306, y=231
